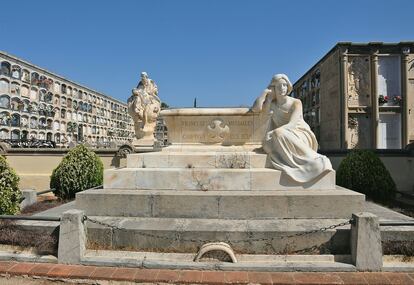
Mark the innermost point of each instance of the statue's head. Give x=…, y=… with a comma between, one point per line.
x=144, y=77
x=281, y=84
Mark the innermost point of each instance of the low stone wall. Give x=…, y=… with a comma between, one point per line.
x=34, y=167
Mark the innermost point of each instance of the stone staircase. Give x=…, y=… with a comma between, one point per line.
x=177, y=201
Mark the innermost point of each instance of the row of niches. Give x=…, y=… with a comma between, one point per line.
x=55, y=126
x=59, y=138
x=41, y=81
x=42, y=95
x=49, y=110
x=13, y=119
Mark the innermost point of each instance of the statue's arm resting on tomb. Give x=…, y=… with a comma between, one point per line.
x=262, y=103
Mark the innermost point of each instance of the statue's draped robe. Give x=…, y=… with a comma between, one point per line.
x=294, y=151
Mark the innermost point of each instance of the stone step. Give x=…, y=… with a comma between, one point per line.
x=277, y=236
x=337, y=203
x=209, y=179
x=210, y=159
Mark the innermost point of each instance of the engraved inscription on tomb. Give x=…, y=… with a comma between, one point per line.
x=216, y=129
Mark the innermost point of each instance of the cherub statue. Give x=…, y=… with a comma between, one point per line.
x=144, y=106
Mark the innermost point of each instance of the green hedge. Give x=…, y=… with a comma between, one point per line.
x=9, y=189
x=79, y=170
x=364, y=172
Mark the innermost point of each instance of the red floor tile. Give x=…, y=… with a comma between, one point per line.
x=376, y=278
x=213, y=277
x=146, y=275
x=316, y=278
x=6, y=265
x=21, y=268
x=282, y=278
x=236, y=277
x=398, y=278
x=190, y=276
x=124, y=274
x=60, y=270
x=353, y=278
x=81, y=271
x=103, y=273
x=260, y=277
x=42, y=269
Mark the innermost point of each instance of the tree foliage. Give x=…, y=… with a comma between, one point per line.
x=364, y=172
x=79, y=170
x=9, y=189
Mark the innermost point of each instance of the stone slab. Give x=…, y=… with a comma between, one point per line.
x=338, y=203
x=211, y=179
x=187, y=235
x=207, y=159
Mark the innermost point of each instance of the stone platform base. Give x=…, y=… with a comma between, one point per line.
x=339, y=203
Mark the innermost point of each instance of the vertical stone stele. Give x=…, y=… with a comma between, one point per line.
x=144, y=106
x=366, y=249
x=72, y=237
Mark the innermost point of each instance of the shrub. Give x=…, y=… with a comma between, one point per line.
x=79, y=170
x=9, y=189
x=364, y=172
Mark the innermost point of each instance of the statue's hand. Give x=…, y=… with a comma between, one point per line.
x=258, y=104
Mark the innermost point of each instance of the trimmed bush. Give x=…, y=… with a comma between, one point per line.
x=364, y=172
x=79, y=170
x=9, y=189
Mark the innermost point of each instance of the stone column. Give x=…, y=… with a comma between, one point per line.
x=366, y=249
x=404, y=95
x=344, y=98
x=72, y=237
x=374, y=102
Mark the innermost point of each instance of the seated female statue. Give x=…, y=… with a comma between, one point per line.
x=289, y=141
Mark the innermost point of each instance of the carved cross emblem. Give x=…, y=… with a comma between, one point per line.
x=217, y=130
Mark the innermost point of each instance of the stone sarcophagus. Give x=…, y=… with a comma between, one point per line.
x=215, y=126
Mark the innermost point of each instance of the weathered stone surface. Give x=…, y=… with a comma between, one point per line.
x=72, y=237
x=366, y=247
x=30, y=197
x=209, y=179
x=338, y=203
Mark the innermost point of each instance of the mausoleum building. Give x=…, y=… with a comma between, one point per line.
x=361, y=95
x=36, y=103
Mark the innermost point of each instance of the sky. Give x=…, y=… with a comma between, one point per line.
x=222, y=52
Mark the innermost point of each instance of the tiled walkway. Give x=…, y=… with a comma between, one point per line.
x=193, y=277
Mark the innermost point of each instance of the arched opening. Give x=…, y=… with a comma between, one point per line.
x=5, y=118
x=49, y=124
x=35, y=78
x=15, y=135
x=33, y=94
x=25, y=135
x=5, y=101
x=4, y=134
x=33, y=123
x=5, y=68
x=33, y=135
x=42, y=95
x=4, y=86
x=26, y=104
x=41, y=136
x=24, y=91
x=42, y=123
x=15, y=120
x=15, y=89
x=16, y=71
x=63, y=114
x=25, y=75
x=49, y=98
x=33, y=107
x=62, y=126
x=25, y=121
x=16, y=104
x=63, y=89
x=49, y=136
x=56, y=126
x=57, y=138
